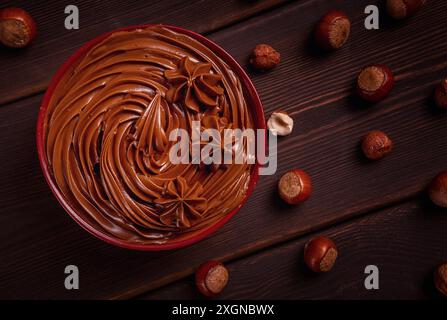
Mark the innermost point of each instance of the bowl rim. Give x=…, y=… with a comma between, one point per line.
x=255, y=105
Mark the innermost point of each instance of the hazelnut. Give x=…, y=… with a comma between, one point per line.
x=280, y=123
x=441, y=279
x=295, y=187
x=375, y=82
x=333, y=29
x=376, y=145
x=441, y=94
x=17, y=27
x=437, y=189
x=211, y=278
x=400, y=9
x=264, y=57
x=320, y=254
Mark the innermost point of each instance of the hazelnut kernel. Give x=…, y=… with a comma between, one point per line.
x=320, y=254
x=280, y=123
x=376, y=144
x=264, y=57
x=437, y=189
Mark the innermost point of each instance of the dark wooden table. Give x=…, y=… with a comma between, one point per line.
x=377, y=213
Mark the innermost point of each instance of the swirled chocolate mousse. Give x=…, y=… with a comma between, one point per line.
x=107, y=133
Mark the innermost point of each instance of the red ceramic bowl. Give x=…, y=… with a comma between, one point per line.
x=253, y=103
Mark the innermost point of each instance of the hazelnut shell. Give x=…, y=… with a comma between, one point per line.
x=401, y=9
x=320, y=254
x=211, y=278
x=17, y=27
x=437, y=190
x=440, y=278
x=333, y=29
x=375, y=83
x=441, y=94
x=295, y=186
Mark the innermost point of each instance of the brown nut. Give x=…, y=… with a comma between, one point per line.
x=375, y=82
x=280, y=123
x=437, y=190
x=264, y=57
x=333, y=29
x=376, y=144
x=17, y=27
x=401, y=9
x=295, y=187
x=440, y=279
x=441, y=94
x=320, y=254
x=211, y=278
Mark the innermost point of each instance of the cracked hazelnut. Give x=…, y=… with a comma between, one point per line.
x=17, y=27
x=375, y=82
x=264, y=57
x=401, y=9
x=441, y=94
x=376, y=144
x=320, y=254
x=441, y=279
x=280, y=123
x=211, y=278
x=437, y=189
x=295, y=187
x=333, y=29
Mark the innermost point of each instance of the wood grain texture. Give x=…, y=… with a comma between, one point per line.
x=28, y=71
x=39, y=239
x=395, y=240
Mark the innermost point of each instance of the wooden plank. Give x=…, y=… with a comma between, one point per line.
x=405, y=242
x=28, y=71
x=329, y=122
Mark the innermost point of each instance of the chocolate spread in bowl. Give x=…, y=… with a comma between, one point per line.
x=107, y=132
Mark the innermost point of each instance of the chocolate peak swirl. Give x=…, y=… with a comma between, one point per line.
x=194, y=84
x=107, y=135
